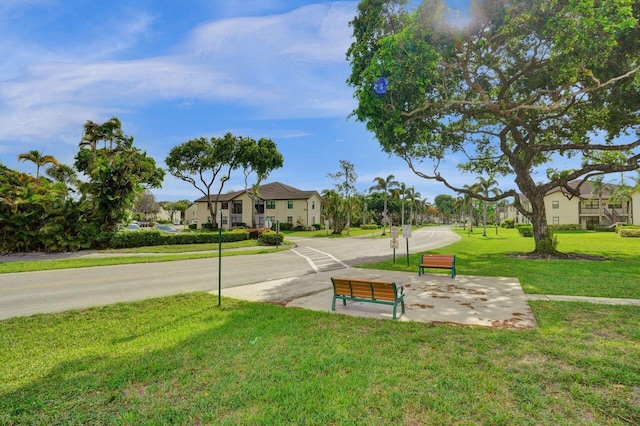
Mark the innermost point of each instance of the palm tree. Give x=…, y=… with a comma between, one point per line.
x=485, y=186
x=401, y=193
x=384, y=185
x=38, y=158
x=598, y=187
x=414, y=198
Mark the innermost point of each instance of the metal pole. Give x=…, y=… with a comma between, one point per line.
x=220, y=259
x=407, y=251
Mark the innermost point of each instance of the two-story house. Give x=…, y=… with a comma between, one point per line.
x=589, y=209
x=275, y=202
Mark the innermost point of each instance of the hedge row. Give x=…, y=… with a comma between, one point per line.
x=130, y=239
x=566, y=227
x=629, y=233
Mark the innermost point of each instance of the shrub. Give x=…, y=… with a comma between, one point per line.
x=507, y=223
x=270, y=238
x=130, y=239
x=209, y=226
x=566, y=227
x=604, y=229
x=629, y=233
x=254, y=233
x=369, y=226
x=193, y=226
x=286, y=226
x=317, y=226
x=620, y=227
x=525, y=230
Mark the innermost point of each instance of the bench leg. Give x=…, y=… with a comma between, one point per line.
x=403, y=306
x=395, y=305
x=420, y=270
x=453, y=272
x=333, y=304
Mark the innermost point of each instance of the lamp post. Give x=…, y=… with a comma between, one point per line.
x=220, y=259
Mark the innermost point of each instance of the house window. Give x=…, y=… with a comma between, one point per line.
x=313, y=205
x=289, y=219
x=289, y=204
x=271, y=204
x=556, y=220
x=225, y=205
x=237, y=207
x=555, y=204
x=591, y=204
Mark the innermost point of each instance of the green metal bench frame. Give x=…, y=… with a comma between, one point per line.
x=441, y=261
x=383, y=293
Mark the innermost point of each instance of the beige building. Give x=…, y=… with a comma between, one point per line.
x=276, y=202
x=588, y=209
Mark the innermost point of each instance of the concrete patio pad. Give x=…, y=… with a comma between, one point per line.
x=430, y=298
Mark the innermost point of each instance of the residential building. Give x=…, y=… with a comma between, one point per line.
x=276, y=202
x=588, y=209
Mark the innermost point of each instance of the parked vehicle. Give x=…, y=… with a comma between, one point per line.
x=133, y=227
x=167, y=229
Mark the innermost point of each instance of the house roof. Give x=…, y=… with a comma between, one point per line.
x=587, y=190
x=270, y=191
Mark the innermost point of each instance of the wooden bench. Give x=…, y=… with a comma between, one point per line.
x=384, y=293
x=440, y=261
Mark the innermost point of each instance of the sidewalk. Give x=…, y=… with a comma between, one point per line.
x=430, y=298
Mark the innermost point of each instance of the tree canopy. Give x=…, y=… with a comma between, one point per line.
x=202, y=161
x=522, y=85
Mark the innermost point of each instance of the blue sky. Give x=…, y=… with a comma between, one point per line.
x=172, y=71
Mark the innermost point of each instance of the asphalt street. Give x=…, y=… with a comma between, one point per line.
x=54, y=291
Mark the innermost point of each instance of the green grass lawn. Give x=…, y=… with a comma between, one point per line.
x=183, y=360
x=618, y=276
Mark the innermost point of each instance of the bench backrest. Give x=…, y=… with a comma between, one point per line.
x=375, y=290
x=444, y=260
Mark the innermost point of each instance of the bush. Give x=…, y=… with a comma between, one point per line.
x=286, y=226
x=131, y=239
x=270, y=238
x=370, y=226
x=629, y=233
x=566, y=227
x=508, y=223
x=525, y=230
x=317, y=226
x=209, y=226
x=604, y=228
x=620, y=227
x=193, y=226
x=255, y=233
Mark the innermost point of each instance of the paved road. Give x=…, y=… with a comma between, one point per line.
x=53, y=291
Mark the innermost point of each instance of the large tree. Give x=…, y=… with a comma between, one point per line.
x=521, y=85
x=201, y=161
x=115, y=173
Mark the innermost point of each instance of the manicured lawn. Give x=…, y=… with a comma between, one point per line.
x=182, y=360
x=618, y=276
x=47, y=265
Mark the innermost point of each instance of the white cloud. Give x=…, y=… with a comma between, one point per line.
x=289, y=65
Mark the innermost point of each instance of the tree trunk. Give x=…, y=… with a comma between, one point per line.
x=545, y=243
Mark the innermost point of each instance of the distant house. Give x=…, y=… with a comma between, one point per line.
x=584, y=210
x=276, y=202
